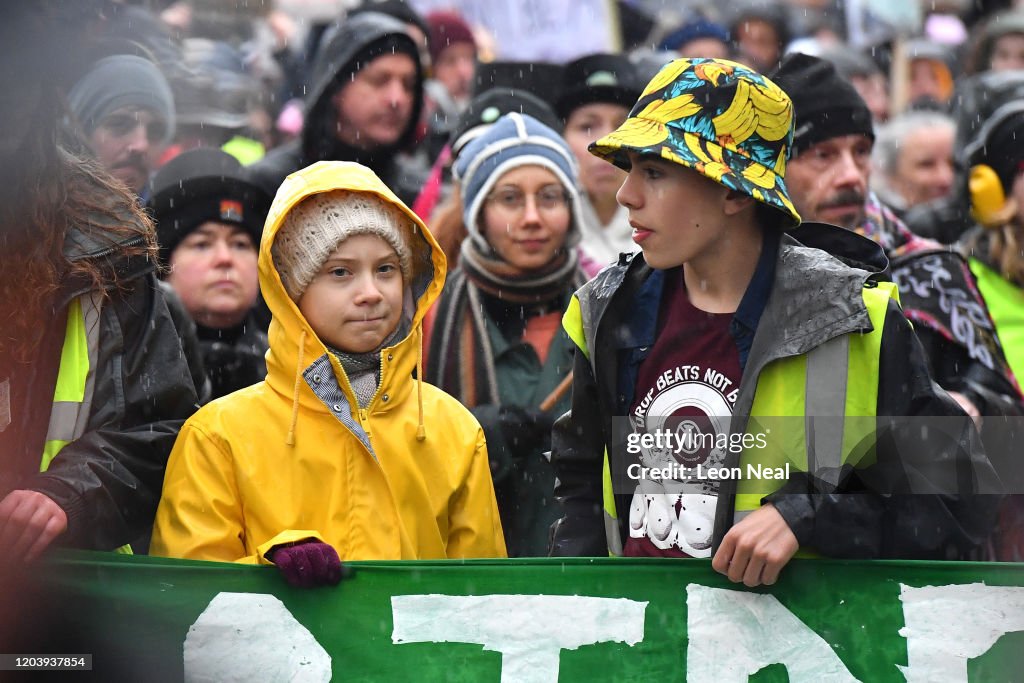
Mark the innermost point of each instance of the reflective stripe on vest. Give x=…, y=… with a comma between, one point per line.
x=76, y=379
x=611, y=522
x=837, y=379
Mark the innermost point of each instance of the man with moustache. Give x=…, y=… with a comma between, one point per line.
x=827, y=178
x=125, y=110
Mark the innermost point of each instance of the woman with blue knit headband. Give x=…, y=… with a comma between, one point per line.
x=496, y=342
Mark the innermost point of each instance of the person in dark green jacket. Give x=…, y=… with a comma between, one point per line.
x=496, y=342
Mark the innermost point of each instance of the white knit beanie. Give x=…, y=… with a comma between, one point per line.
x=315, y=227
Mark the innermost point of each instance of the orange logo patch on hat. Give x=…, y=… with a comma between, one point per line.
x=231, y=210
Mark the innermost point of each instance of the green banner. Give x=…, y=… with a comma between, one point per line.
x=536, y=620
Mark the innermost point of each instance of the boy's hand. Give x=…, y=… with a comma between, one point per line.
x=756, y=549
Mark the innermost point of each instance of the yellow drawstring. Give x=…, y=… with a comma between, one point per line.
x=421, y=431
x=290, y=439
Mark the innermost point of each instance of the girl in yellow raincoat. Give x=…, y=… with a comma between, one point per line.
x=342, y=445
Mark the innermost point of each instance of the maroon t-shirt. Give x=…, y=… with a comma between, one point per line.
x=686, y=387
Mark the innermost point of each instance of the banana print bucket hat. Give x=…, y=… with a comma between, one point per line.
x=719, y=118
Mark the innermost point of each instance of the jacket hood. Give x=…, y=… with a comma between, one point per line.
x=852, y=249
x=335, y=59
x=293, y=343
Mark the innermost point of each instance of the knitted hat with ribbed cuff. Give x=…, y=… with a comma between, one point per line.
x=514, y=140
x=824, y=103
x=314, y=228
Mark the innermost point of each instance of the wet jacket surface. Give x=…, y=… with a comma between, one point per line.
x=360, y=480
x=108, y=481
x=318, y=142
x=798, y=298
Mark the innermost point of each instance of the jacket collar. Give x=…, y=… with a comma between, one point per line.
x=644, y=318
x=812, y=297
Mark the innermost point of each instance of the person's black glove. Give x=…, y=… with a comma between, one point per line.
x=513, y=433
x=525, y=430
x=309, y=564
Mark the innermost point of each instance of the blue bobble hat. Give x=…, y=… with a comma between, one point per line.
x=514, y=140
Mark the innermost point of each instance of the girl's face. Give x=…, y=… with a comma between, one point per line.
x=526, y=217
x=355, y=300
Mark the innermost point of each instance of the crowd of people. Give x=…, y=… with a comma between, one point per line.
x=295, y=292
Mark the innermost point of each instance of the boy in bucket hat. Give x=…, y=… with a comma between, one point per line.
x=725, y=325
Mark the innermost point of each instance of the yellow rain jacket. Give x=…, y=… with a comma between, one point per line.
x=405, y=478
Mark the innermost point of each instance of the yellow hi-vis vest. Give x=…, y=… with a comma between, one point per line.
x=838, y=379
x=1005, y=302
x=76, y=376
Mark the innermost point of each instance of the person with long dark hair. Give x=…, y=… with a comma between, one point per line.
x=93, y=386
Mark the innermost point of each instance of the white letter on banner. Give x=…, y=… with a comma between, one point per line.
x=734, y=634
x=947, y=625
x=252, y=637
x=528, y=630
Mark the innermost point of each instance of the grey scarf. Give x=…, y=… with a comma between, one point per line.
x=363, y=369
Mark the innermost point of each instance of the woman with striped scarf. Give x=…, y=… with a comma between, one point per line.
x=496, y=341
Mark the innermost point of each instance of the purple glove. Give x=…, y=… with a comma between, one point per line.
x=309, y=564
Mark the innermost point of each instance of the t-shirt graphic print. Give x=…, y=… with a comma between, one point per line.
x=686, y=389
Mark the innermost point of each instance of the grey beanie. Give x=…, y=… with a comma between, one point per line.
x=319, y=223
x=121, y=81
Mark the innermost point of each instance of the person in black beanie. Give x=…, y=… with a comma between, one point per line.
x=209, y=221
x=597, y=93
x=828, y=177
x=363, y=105
x=827, y=105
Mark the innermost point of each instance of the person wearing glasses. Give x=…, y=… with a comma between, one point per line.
x=495, y=339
